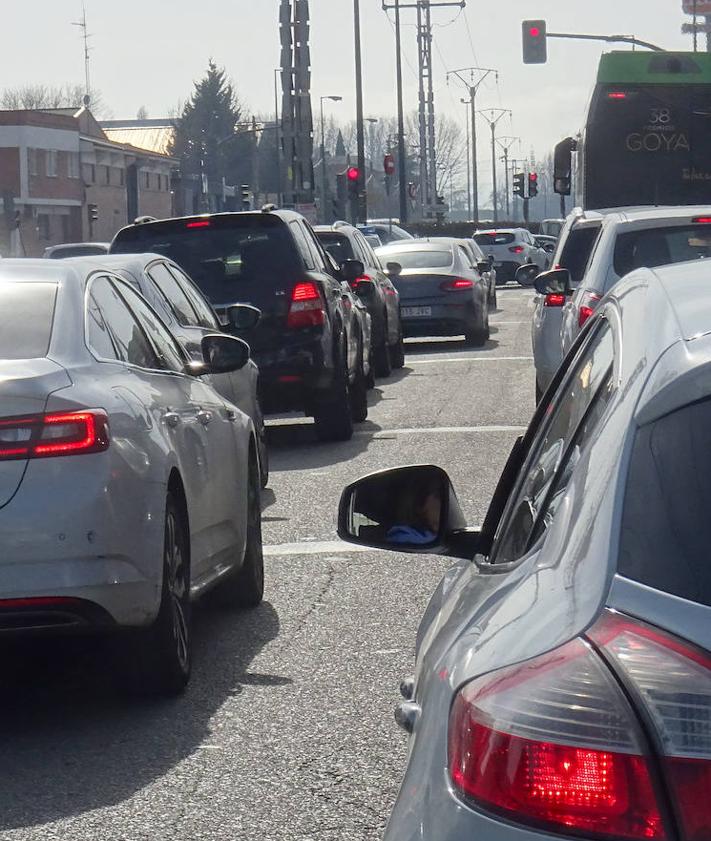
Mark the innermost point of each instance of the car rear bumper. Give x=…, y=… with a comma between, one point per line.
x=289, y=376
x=444, y=319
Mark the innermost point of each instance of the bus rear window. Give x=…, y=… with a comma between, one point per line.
x=666, y=529
x=26, y=318
x=661, y=246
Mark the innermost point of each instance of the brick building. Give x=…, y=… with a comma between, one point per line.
x=55, y=165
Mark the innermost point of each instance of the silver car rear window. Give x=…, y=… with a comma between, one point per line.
x=494, y=239
x=420, y=259
x=26, y=318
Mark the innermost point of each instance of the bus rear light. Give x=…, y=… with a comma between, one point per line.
x=57, y=434
x=554, y=299
x=306, y=309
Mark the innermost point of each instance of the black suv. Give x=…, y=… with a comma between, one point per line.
x=312, y=343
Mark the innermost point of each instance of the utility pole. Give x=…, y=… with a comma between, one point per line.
x=472, y=78
x=505, y=143
x=427, y=117
x=362, y=213
x=468, y=103
x=401, y=153
x=495, y=116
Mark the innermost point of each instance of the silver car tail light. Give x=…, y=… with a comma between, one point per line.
x=53, y=434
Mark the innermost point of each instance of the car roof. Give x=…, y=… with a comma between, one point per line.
x=40, y=270
x=285, y=215
x=137, y=262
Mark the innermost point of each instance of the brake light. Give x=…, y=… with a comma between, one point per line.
x=617, y=95
x=516, y=249
x=554, y=299
x=58, y=434
x=356, y=282
x=702, y=220
x=671, y=680
x=553, y=742
x=201, y=223
x=456, y=285
x=587, y=308
x=306, y=309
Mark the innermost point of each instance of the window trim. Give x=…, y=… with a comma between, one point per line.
x=156, y=287
x=183, y=278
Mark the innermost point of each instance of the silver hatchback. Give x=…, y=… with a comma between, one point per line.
x=563, y=676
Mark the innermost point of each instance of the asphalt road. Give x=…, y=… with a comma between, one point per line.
x=286, y=731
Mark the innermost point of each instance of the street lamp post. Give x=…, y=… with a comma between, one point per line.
x=324, y=215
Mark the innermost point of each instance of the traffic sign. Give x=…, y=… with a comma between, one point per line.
x=703, y=7
x=689, y=28
x=389, y=165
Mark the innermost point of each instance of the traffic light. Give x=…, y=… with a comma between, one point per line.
x=519, y=184
x=353, y=178
x=535, y=46
x=246, y=197
x=532, y=185
x=93, y=213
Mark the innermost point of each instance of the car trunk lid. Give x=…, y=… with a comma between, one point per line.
x=416, y=285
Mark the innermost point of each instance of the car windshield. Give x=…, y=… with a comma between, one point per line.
x=666, y=529
x=410, y=259
x=26, y=318
x=337, y=245
x=661, y=246
x=494, y=239
x=231, y=258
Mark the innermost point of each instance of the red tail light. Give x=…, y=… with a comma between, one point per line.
x=201, y=223
x=702, y=220
x=587, y=308
x=59, y=434
x=306, y=308
x=516, y=249
x=617, y=95
x=554, y=299
x=456, y=285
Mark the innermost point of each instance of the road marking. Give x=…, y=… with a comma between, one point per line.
x=447, y=430
x=471, y=359
x=322, y=547
x=494, y=323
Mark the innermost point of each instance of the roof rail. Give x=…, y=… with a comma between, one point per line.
x=142, y=220
x=268, y=208
x=339, y=223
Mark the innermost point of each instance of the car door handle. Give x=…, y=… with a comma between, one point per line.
x=172, y=419
x=205, y=418
x=231, y=414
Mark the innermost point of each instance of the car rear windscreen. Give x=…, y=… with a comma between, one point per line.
x=661, y=246
x=26, y=318
x=666, y=528
x=337, y=245
x=231, y=258
x=494, y=239
x=419, y=259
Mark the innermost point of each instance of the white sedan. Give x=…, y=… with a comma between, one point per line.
x=128, y=485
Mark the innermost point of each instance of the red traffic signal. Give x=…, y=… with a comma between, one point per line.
x=532, y=184
x=353, y=173
x=535, y=46
x=389, y=165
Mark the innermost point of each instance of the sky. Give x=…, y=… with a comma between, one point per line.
x=149, y=53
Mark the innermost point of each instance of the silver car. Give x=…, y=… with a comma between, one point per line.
x=563, y=675
x=511, y=248
x=128, y=486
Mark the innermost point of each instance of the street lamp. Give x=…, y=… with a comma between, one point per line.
x=323, y=155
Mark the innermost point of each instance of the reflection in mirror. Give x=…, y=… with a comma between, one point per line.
x=526, y=275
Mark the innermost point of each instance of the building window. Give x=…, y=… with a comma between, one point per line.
x=108, y=174
x=147, y=180
x=43, y=225
x=73, y=164
x=122, y=177
x=32, y=161
x=52, y=163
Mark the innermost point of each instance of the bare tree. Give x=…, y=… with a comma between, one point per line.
x=39, y=97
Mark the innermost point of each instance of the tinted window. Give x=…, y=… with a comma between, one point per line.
x=575, y=412
x=169, y=354
x=666, y=528
x=420, y=259
x=26, y=317
x=173, y=294
x=129, y=340
x=661, y=246
x=494, y=239
x=98, y=335
x=337, y=245
x=577, y=250
x=205, y=315
x=302, y=245
x=231, y=258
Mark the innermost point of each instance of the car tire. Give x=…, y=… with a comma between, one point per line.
x=157, y=659
x=263, y=459
x=477, y=334
x=381, y=359
x=397, y=352
x=245, y=586
x=359, y=398
x=332, y=412
x=493, y=303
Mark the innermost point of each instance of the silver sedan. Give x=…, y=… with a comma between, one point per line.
x=128, y=485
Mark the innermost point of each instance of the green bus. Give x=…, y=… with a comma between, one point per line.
x=647, y=138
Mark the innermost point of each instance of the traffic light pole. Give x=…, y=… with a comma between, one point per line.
x=362, y=214
x=401, y=153
x=506, y=143
x=610, y=39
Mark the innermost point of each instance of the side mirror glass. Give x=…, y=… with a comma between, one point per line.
x=243, y=316
x=526, y=275
x=352, y=270
x=223, y=354
x=554, y=282
x=408, y=509
x=393, y=269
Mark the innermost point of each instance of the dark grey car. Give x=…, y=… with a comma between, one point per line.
x=441, y=293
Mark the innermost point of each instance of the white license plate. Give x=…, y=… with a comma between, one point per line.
x=416, y=312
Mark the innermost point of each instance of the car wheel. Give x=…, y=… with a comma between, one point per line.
x=381, y=359
x=493, y=303
x=397, y=352
x=157, y=659
x=245, y=586
x=263, y=459
x=359, y=396
x=478, y=333
x=332, y=413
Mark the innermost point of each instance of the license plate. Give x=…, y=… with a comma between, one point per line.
x=416, y=312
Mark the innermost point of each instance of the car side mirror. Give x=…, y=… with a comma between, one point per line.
x=526, y=275
x=483, y=266
x=554, y=282
x=243, y=316
x=408, y=509
x=223, y=354
x=352, y=270
x=393, y=269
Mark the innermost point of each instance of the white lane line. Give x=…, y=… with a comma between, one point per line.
x=321, y=547
x=439, y=430
x=471, y=359
x=494, y=323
